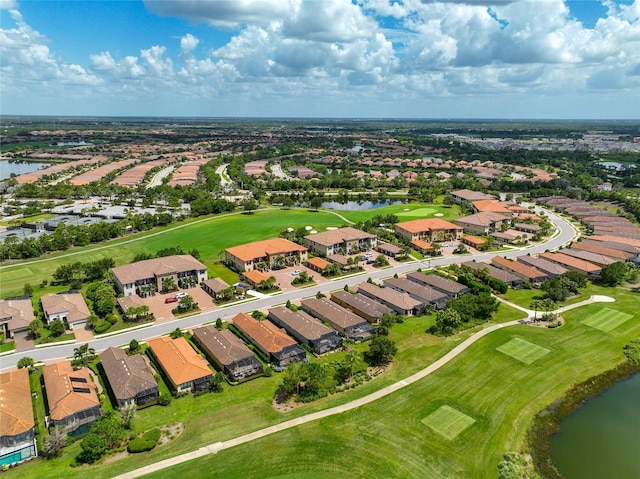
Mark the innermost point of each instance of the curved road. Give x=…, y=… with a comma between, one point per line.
x=565, y=232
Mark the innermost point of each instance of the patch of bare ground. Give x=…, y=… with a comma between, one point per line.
x=280, y=404
x=170, y=432
x=556, y=323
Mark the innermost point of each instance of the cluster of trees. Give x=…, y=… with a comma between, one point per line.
x=102, y=299
x=618, y=273
x=170, y=251
x=76, y=273
x=479, y=280
x=106, y=434
x=463, y=312
x=564, y=286
x=185, y=305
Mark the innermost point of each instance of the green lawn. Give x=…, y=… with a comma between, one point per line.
x=405, y=212
x=605, y=319
x=209, y=235
x=387, y=438
x=448, y=422
x=523, y=350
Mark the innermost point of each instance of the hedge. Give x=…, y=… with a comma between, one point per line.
x=146, y=442
x=102, y=327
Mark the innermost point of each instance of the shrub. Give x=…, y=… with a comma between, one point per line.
x=146, y=442
x=102, y=327
x=164, y=399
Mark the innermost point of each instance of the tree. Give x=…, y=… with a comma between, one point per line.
x=219, y=324
x=127, y=414
x=632, y=350
x=217, y=382
x=57, y=328
x=249, y=205
x=28, y=289
x=103, y=307
x=134, y=346
x=176, y=333
x=105, y=434
x=381, y=350
x=613, y=274
x=35, y=328
x=344, y=371
x=316, y=202
x=84, y=354
x=447, y=320
x=54, y=442
x=26, y=362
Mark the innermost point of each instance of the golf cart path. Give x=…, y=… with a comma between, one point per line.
x=213, y=448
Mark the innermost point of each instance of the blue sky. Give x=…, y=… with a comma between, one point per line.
x=322, y=58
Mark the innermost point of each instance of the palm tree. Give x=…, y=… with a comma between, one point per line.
x=83, y=354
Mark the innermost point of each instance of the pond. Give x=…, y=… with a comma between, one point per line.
x=602, y=439
x=615, y=165
x=359, y=205
x=7, y=168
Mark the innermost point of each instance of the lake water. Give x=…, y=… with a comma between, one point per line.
x=602, y=439
x=617, y=166
x=358, y=205
x=7, y=168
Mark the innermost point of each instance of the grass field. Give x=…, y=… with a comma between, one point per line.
x=386, y=439
x=606, y=319
x=523, y=350
x=209, y=235
x=448, y=422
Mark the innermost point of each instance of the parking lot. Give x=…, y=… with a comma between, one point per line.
x=162, y=310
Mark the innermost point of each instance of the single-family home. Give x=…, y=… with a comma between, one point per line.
x=15, y=317
x=129, y=377
x=183, y=367
x=500, y=274
x=70, y=308
x=552, y=270
x=17, y=426
x=72, y=400
x=451, y=288
x=574, y=264
x=228, y=352
x=530, y=274
x=400, y=302
x=426, y=294
x=363, y=306
x=306, y=329
x=271, y=340
x=342, y=320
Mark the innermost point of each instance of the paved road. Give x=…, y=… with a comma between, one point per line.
x=219, y=446
x=160, y=175
x=565, y=232
x=221, y=171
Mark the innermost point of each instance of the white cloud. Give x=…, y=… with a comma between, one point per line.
x=8, y=4
x=224, y=13
x=329, y=21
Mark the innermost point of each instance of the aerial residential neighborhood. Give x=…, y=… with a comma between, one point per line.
x=256, y=295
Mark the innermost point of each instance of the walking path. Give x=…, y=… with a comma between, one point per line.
x=221, y=445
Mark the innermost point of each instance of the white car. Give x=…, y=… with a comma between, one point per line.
x=296, y=272
x=181, y=295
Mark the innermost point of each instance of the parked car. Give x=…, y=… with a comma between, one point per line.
x=181, y=295
x=172, y=299
x=296, y=272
